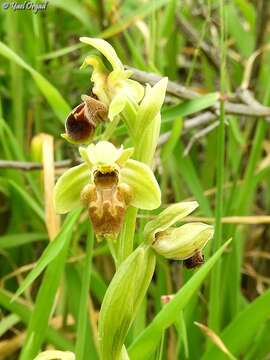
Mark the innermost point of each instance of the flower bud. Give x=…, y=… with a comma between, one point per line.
x=81, y=122
x=183, y=242
x=122, y=300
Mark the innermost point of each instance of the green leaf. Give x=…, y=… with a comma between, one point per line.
x=51, y=251
x=68, y=188
x=76, y=9
x=146, y=191
x=122, y=300
x=14, y=240
x=54, y=98
x=247, y=323
x=28, y=200
x=8, y=322
x=147, y=342
x=44, y=303
x=128, y=20
x=24, y=312
x=189, y=107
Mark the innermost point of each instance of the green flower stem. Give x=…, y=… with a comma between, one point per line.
x=125, y=240
x=83, y=310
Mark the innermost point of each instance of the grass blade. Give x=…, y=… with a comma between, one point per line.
x=54, y=98
x=247, y=323
x=146, y=343
x=189, y=107
x=52, y=250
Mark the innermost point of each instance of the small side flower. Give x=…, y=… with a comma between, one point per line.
x=178, y=243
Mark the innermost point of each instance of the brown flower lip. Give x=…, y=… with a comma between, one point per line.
x=106, y=201
x=82, y=120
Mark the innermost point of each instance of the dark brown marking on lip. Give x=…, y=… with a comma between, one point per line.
x=194, y=261
x=107, y=201
x=82, y=120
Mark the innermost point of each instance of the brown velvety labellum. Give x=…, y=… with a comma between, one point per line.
x=195, y=261
x=81, y=122
x=95, y=110
x=107, y=202
x=78, y=127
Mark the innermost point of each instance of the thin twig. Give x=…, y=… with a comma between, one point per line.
x=28, y=166
x=192, y=34
x=199, y=135
x=183, y=92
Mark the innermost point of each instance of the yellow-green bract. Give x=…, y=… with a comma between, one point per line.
x=122, y=300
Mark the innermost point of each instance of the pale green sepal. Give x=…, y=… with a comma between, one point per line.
x=126, y=154
x=106, y=49
x=84, y=154
x=122, y=300
x=151, y=104
x=99, y=78
x=103, y=152
x=146, y=191
x=118, y=75
x=68, y=188
x=168, y=217
x=135, y=90
x=74, y=142
x=183, y=242
x=116, y=106
x=124, y=354
x=55, y=354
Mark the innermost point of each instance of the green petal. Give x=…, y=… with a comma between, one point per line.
x=146, y=191
x=126, y=154
x=116, y=106
x=151, y=104
x=134, y=90
x=119, y=83
x=68, y=188
x=99, y=78
x=106, y=49
x=168, y=217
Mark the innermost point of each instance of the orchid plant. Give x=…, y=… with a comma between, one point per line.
x=113, y=182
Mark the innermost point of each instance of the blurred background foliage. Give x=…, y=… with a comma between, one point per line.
x=41, y=80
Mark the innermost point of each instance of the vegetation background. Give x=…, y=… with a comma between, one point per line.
x=213, y=148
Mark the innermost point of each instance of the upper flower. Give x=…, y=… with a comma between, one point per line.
x=106, y=183
x=112, y=86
